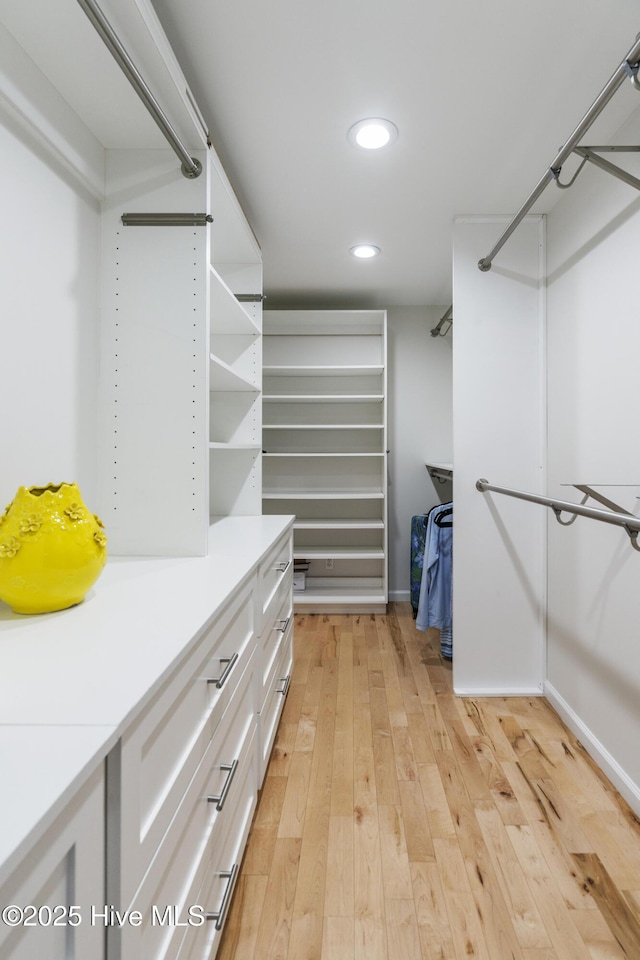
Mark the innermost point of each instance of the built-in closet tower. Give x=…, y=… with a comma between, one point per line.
x=325, y=452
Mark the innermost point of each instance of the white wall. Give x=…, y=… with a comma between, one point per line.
x=594, y=575
x=420, y=426
x=498, y=416
x=49, y=281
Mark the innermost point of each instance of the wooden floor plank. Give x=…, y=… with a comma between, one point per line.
x=431, y=912
x=338, y=938
x=274, y=930
x=294, y=805
x=620, y=919
x=396, y=876
x=242, y=928
x=264, y=830
x=339, y=888
x=557, y=919
x=403, y=937
x=398, y=822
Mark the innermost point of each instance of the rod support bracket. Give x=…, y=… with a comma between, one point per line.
x=484, y=265
x=631, y=70
x=633, y=538
x=193, y=172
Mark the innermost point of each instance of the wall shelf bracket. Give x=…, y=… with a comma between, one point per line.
x=166, y=219
x=591, y=155
x=590, y=492
x=442, y=472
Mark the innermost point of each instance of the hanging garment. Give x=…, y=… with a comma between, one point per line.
x=435, y=607
x=418, y=540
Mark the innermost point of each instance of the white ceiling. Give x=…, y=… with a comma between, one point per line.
x=483, y=94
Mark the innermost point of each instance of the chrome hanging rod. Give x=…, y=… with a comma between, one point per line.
x=191, y=168
x=447, y=318
x=627, y=69
x=630, y=523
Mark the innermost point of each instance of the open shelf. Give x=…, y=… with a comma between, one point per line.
x=338, y=524
x=323, y=426
x=228, y=316
x=322, y=370
x=322, y=495
x=338, y=552
x=219, y=445
x=311, y=455
x=323, y=398
x=224, y=378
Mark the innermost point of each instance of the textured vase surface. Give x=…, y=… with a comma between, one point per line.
x=52, y=549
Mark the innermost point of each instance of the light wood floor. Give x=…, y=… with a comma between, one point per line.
x=398, y=822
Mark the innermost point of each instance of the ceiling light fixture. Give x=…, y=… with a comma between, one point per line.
x=372, y=134
x=364, y=251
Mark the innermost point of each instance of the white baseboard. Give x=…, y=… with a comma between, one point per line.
x=398, y=596
x=497, y=691
x=608, y=764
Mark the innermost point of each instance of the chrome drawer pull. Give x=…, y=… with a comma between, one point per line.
x=230, y=664
x=282, y=566
x=285, y=689
x=221, y=915
x=285, y=624
x=219, y=801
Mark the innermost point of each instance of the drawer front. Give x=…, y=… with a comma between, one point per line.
x=270, y=643
x=224, y=781
x=216, y=891
x=271, y=711
x=275, y=574
x=162, y=751
x=65, y=869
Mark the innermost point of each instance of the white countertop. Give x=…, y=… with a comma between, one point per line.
x=71, y=681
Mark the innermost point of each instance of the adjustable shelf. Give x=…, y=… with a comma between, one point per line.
x=228, y=316
x=324, y=370
x=224, y=379
x=324, y=398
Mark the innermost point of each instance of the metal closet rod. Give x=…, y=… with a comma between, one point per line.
x=191, y=168
x=626, y=520
x=627, y=69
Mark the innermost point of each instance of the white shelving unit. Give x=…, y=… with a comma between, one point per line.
x=235, y=417
x=325, y=451
x=181, y=359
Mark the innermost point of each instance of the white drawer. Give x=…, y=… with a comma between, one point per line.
x=64, y=869
x=274, y=577
x=215, y=893
x=162, y=750
x=271, y=710
x=224, y=781
x=270, y=643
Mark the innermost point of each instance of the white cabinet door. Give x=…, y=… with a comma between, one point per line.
x=58, y=890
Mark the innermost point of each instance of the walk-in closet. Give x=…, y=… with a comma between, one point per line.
x=330, y=316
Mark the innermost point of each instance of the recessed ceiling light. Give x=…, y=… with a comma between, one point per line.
x=372, y=134
x=364, y=251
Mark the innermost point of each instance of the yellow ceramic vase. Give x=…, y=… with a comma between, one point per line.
x=52, y=549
